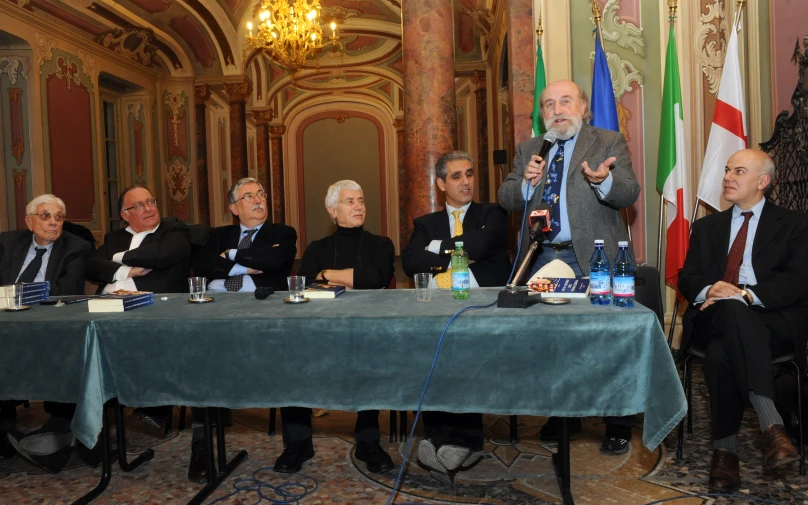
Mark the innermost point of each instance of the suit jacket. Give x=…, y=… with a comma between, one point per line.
x=779, y=253
x=371, y=257
x=590, y=216
x=65, y=270
x=272, y=251
x=484, y=233
x=167, y=252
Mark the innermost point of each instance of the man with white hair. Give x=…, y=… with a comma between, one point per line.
x=43, y=252
x=586, y=180
x=356, y=259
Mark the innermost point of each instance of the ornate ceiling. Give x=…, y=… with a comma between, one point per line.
x=205, y=39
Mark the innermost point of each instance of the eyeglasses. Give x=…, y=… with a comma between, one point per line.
x=139, y=206
x=249, y=197
x=46, y=216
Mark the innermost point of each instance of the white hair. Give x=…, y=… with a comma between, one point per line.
x=34, y=204
x=232, y=195
x=332, y=196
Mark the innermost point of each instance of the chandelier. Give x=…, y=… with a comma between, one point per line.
x=289, y=32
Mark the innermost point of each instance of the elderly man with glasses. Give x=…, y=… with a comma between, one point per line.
x=43, y=252
x=148, y=255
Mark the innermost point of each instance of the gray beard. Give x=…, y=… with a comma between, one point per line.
x=576, y=123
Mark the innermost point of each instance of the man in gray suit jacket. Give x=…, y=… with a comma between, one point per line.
x=585, y=202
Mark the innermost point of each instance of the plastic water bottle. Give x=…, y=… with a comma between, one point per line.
x=460, y=273
x=600, y=276
x=623, y=277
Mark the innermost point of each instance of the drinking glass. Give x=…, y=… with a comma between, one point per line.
x=14, y=295
x=297, y=283
x=423, y=287
x=197, y=287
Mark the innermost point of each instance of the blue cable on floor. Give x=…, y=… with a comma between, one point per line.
x=716, y=495
x=290, y=493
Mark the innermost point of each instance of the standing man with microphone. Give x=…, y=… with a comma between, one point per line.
x=586, y=183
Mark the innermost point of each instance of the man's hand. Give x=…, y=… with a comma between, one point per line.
x=707, y=303
x=601, y=173
x=534, y=170
x=138, y=271
x=252, y=271
x=722, y=289
x=226, y=254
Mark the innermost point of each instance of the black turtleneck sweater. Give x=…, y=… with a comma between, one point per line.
x=371, y=257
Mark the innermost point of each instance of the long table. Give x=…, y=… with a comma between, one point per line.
x=363, y=350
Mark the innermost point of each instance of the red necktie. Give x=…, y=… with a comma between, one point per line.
x=735, y=256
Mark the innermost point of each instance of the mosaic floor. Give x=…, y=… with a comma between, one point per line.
x=517, y=474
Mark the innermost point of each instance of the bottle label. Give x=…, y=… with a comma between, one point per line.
x=623, y=286
x=460, y=280
x=599, y=283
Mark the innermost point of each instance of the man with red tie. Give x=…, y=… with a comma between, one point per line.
x=745, y=277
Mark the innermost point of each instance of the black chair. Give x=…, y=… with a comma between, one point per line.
x=687, y=378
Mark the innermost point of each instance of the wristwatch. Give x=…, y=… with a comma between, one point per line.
x=747, y=296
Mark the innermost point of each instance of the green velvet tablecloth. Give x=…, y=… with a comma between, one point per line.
x=363, y=350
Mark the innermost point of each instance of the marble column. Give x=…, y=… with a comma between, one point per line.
x=403, y=193
x=201, y=97
x=238, y=93
x=276, y=155
x=262, y=118
x=522, y=68
x=478, y=79
x=430, y=119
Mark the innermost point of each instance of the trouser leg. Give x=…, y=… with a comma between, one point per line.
x=626, y=421
x=60, y=410
x=455, y=429
x=296, y=424
x=367, y=426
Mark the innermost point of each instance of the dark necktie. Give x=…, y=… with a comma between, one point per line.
x=29, y=274
x=735, y=256
x=236, y=282
x=552, y=190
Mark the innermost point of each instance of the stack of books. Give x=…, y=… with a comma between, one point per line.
x=120, y=301
x=32, y=293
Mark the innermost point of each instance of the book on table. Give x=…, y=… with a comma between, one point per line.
x=120, y=301
x=323, y=291
x=561, y=287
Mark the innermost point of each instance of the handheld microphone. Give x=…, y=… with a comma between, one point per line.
x=262, y=292
x=539, y=221
x=549, y=140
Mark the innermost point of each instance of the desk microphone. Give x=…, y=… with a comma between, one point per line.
x=549, y=140
x=539, y=221
x=262, y=292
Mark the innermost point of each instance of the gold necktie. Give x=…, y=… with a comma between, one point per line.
x=444, y=279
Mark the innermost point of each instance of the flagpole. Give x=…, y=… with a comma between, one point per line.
x=672, y=6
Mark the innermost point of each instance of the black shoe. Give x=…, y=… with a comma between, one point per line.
x=372, y=453
x=198, y=467
x=549, y=432
x=6, y=449
x=293, y=456
x=47, y=450
x=155, y=417
x=616, y=440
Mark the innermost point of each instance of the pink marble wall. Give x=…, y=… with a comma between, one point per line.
x=788, y=19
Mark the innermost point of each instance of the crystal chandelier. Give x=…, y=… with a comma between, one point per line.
x=289, y=32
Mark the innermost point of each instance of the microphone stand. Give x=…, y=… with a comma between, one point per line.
x=513, y=297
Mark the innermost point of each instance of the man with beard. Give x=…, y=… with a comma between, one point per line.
x=585, y=201
x=241, y=258
x=356, y=259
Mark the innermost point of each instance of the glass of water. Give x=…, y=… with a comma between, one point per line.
x=297, y=283
x=196, y=285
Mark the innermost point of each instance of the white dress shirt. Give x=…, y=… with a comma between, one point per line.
x=434, y=246
x=121, y=280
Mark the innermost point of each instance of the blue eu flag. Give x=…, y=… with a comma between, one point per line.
x=603, y=105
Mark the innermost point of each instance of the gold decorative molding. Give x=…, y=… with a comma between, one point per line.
x=137, y=126
x=340, y=117
x=87, y=65
x=136, y=109
x=627, y=35
x=19, y=177
x=263, y=116
x=623, y=74
x=14, y=94
x=132, y=43
x=67, y=68
x=398, y=124
x=44, y=49
x=17, y=151
x=277, y=131
x=201, y=94
x=176, y=102
x=178, y=179
x=478, y=79
x=23, y=3
x=79, y=4
x=13, y=67
x=711, y=60
x=238, y=91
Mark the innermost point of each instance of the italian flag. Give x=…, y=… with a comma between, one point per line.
x=672, y=168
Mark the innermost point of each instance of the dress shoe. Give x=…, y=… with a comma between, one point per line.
x=455, y=457
x=6, y=449
x=198, y=467
x=156, y=417
x=47, y=450
x=725, y=474
x=372, y=453
x=549, y=432
x=616, y=440
x=777, y=448
x=428, y=455
x=293, y=456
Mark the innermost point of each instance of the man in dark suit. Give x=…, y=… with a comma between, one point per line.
x=455, y=441
x=744, y=277
x=41, y=253
x=148, y=255
x=585, y=203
